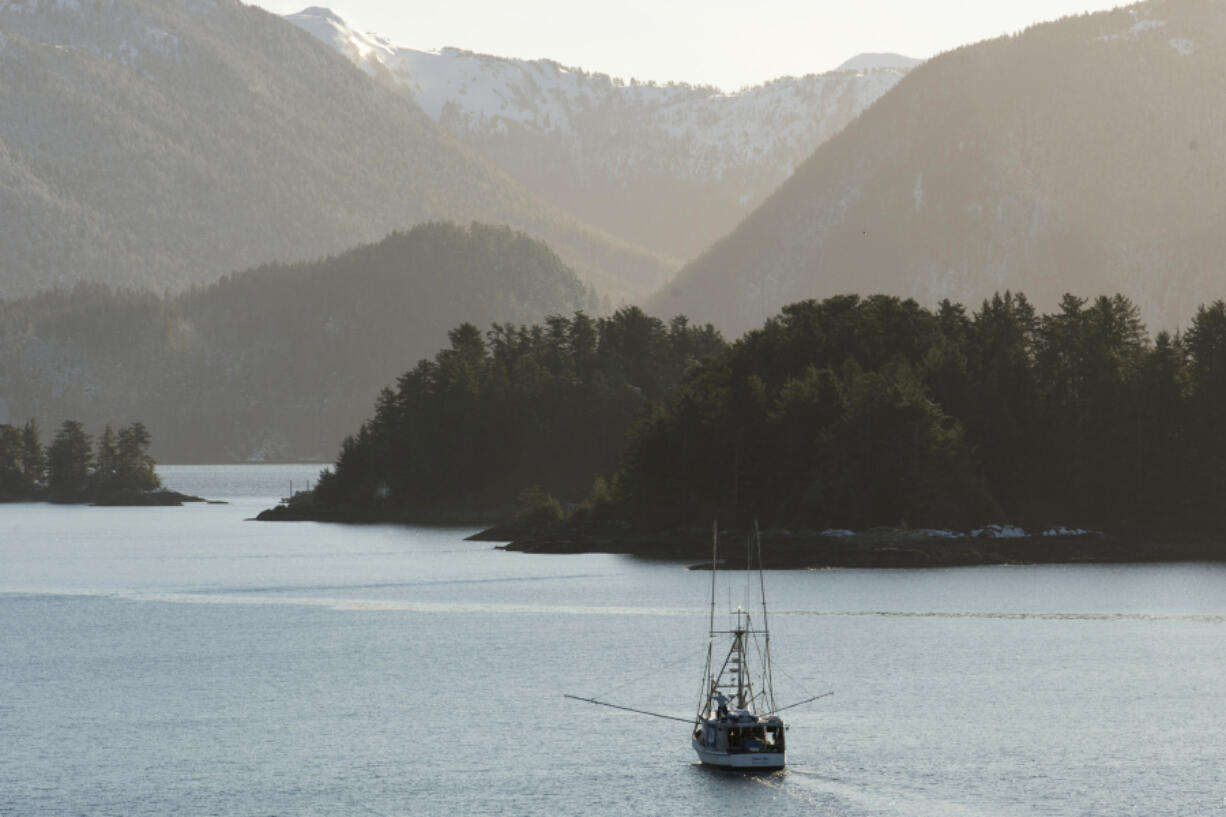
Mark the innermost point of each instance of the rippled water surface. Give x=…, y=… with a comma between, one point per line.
x=184, y=661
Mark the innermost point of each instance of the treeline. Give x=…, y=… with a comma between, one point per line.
x=859, y=412
x=75, y=468
x=496, y=413
x=849, y=412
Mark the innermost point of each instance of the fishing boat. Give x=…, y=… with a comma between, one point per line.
x=737, y=725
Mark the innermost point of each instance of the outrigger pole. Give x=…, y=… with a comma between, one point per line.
x=629, y=709
x=798, y=703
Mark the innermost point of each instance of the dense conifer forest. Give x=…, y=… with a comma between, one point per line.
x=74, y=467
x=517, y=408
x=850, y=412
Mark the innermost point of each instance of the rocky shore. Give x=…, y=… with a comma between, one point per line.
x=302, y=508
x=875, y=548
x=159, y=497
x=799, y=549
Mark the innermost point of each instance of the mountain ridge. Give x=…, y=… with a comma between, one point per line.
x=163, y=143
x=668, y=166
x=1077, y=156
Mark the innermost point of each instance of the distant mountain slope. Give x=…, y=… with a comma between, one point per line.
x=1084, y=155
x=158, y=142
x=671, y=167
x=278, y=362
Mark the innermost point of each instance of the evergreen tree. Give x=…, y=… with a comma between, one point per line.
x=135, y=470
x=1205, y=342
x=68, y=463
x=12, y=462
x=21, y=462
x=105, y=476
x=33, y=457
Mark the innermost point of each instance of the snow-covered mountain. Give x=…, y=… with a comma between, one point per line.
x=671, y=167
x=158, y=143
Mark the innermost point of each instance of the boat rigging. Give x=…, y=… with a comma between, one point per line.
x=737, y=723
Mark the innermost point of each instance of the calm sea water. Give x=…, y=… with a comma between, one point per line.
x=158, y=661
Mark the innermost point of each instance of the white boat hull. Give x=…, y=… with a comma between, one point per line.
x=739, y=760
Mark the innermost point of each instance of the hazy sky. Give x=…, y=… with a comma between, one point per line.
x=716, y=42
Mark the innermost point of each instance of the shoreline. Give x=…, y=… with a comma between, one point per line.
x=159, y=498
x=878, y=548
x=805, y=549
x=812, y=550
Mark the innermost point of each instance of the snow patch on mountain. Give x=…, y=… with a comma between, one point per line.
x=321, y=23
x=1183, y=46
x=620, y=124
x=1139, y=26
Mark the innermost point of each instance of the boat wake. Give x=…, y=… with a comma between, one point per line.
x=843, y=797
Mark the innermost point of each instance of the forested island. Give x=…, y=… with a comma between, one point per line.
x=114, y=470
x=871, y=414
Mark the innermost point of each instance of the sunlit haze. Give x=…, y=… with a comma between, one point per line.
x=730, y=45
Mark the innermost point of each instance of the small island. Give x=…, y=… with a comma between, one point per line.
x=73, y=469
x=858, y=431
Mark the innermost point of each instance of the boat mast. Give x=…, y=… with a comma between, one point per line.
x=768, y=675
x=714, y=547
x=708, y=679
x=742, y=631
x=740, y=661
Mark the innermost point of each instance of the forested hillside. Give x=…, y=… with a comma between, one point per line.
x=1083, y=155
x=275, y=363
x=496, y=414
x=156, y=143
x=845, y=413
x=854, y=412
